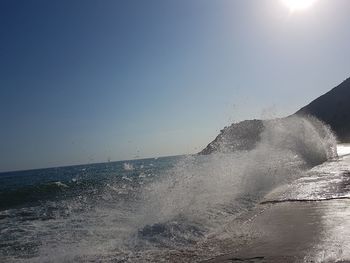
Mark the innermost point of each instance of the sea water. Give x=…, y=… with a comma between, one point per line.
x=151, y=210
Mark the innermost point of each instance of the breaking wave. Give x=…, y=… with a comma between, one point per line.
x=184, y=205
x=206, y=192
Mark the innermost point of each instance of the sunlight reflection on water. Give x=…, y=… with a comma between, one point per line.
x=343, y=149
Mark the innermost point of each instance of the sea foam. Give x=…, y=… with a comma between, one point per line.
x=209, y=191
x=184, y=205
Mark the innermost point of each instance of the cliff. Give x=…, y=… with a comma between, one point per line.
x=333, y=108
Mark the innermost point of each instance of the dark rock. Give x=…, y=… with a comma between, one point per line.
x=332, y=108
x=237, y=137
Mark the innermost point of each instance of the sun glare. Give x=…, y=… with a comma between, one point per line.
x=298, y=5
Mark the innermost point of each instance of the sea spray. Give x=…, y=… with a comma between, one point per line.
x=206, y=192
x=162, y=205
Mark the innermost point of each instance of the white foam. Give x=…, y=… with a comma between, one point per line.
x=200, y=191
x=128, y=166
x=205, y=189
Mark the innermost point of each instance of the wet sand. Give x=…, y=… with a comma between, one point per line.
x=297, y=232
x=307, y=220
x=313, y=230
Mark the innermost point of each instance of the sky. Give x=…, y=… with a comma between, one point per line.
x=87, y=81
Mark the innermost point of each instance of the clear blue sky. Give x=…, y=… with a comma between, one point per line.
x=84, y=81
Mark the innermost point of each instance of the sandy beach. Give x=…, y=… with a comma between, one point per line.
x=300, y=230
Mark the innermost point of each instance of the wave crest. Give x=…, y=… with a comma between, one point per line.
x=211, y=190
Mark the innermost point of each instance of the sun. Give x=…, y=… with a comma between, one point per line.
x=298, y=5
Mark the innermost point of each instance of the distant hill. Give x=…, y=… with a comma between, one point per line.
x=333, y=108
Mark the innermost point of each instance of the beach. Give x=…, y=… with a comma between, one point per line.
x=297, y=230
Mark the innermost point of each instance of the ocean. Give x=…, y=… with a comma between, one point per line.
x=170, y=209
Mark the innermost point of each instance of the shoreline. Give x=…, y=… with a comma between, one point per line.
x=312, y=230
x=297, y=232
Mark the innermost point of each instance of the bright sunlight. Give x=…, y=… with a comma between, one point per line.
x=298, y=5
